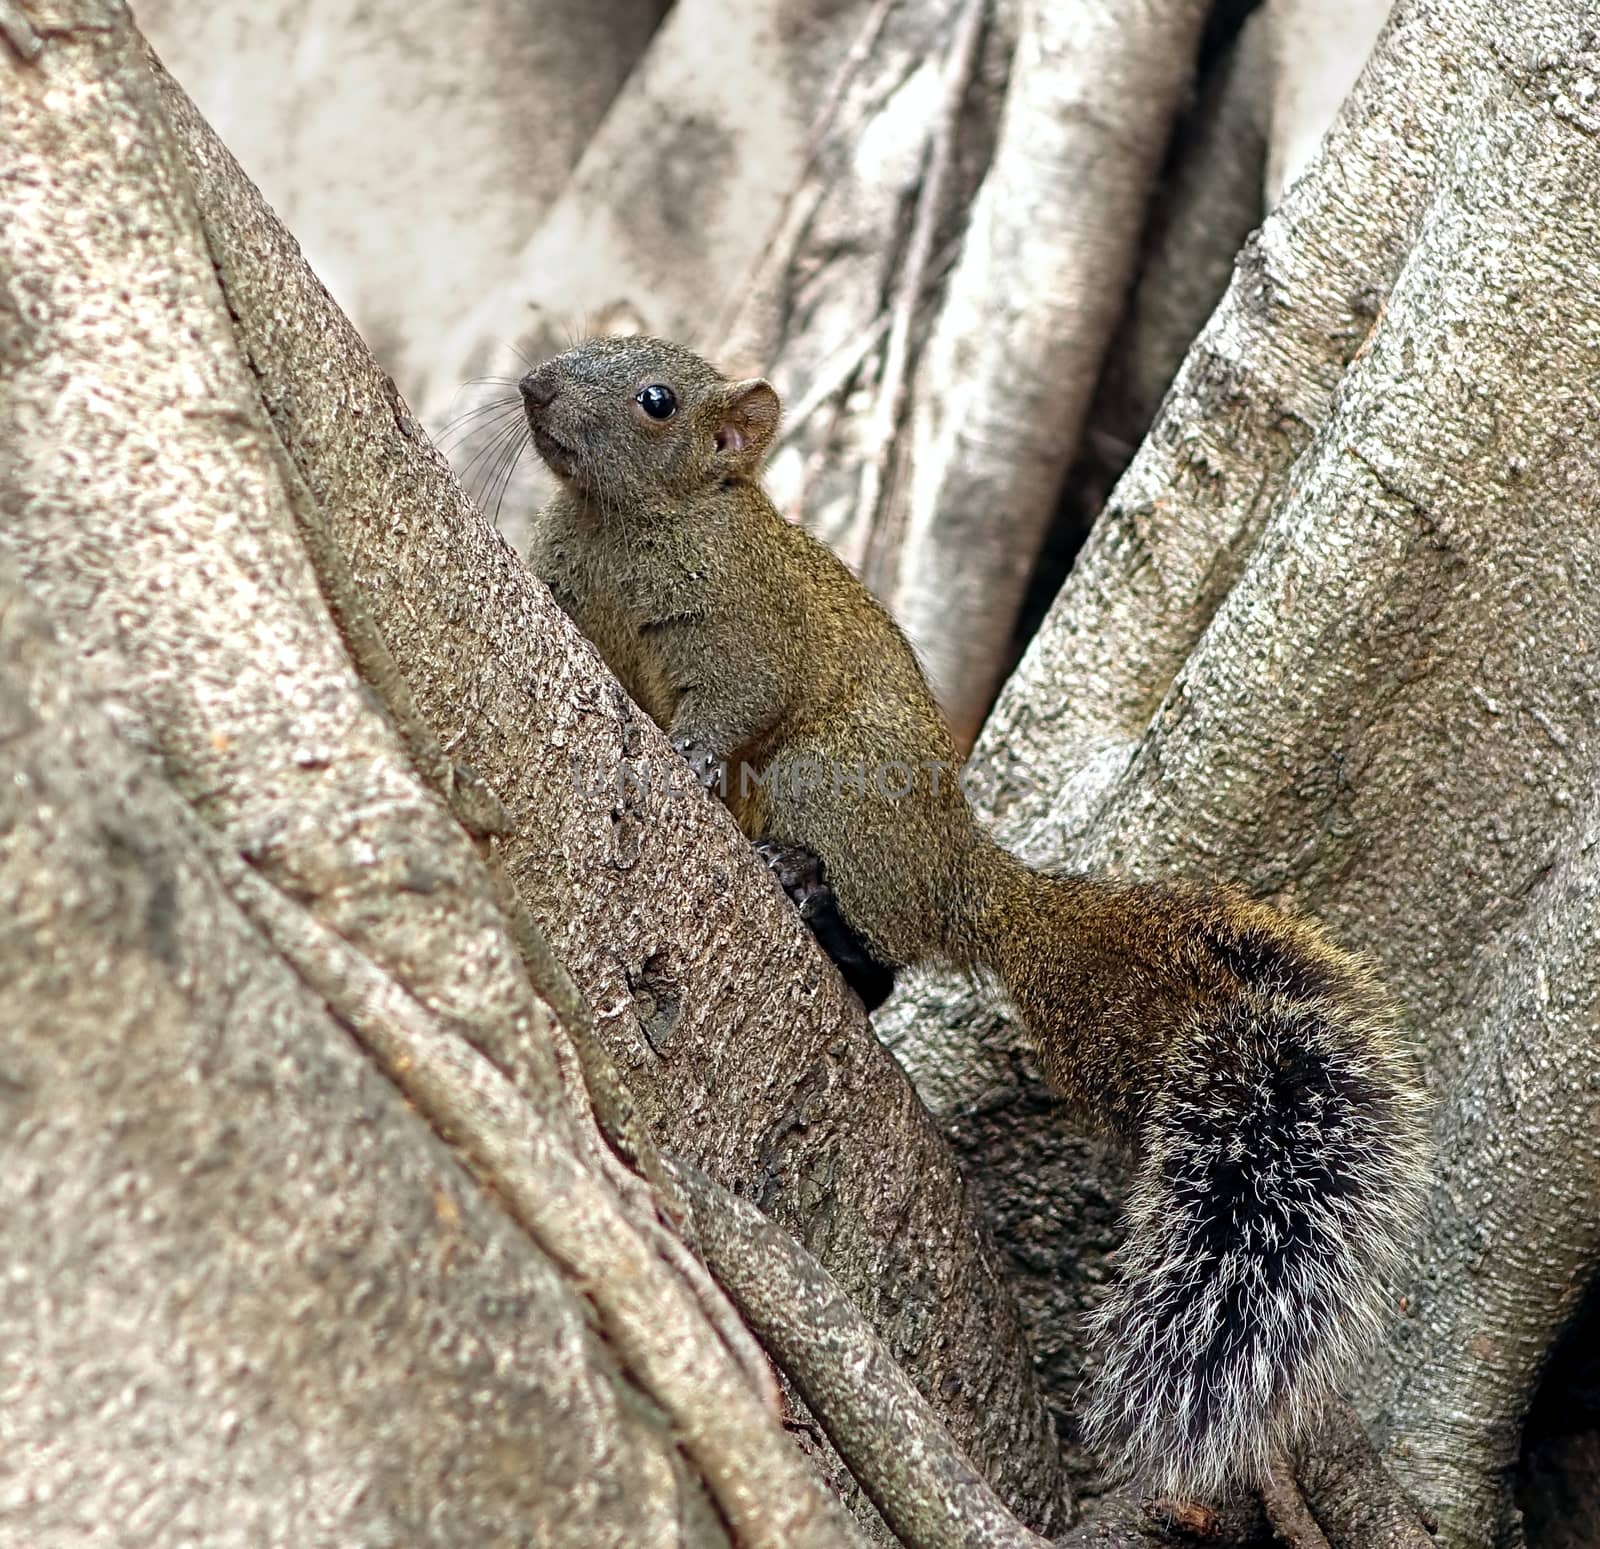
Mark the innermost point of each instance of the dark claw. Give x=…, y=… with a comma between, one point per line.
x=708, y=769
x=801, y=875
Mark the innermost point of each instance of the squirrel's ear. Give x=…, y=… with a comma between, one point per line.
x=749, y=420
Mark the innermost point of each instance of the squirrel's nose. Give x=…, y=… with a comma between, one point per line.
x=538, y=390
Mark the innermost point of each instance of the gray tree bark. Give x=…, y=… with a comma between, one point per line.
x=412, y=149
x=252, y=1298
x=1334, y=638
x=298, y=1078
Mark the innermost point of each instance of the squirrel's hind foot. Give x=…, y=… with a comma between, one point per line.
x=799, y=872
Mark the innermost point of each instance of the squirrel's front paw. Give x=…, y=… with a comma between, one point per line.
x=709, y=770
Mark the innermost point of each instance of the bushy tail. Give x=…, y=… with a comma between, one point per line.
x=1277, y=1174
x=1280, y=1153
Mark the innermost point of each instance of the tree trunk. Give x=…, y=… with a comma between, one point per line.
x=252, y=1298
x=1309, y=648
x=338, y=1208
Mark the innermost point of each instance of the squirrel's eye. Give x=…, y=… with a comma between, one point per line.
x=657, y=401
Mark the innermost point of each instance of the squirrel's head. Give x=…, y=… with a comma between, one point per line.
x=629, y=419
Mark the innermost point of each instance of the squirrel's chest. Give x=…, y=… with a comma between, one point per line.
x=625, y=605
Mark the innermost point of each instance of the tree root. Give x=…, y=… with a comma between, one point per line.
x=896, y=1446
x=1356, y=1501
x=1288, y=1513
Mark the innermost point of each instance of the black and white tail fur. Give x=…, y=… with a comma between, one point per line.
x=1278, y=1172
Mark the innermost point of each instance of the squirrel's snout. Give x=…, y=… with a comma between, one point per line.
x=538, y=391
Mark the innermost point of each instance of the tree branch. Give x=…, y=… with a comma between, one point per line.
x=1000, y=397
x=1255, y=387
x=1288, y=1513
x=1353, y=1496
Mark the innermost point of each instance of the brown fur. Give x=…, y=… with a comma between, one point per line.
x=1195, y=1022
x=741, y=634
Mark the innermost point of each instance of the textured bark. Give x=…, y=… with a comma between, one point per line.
x=1373, y=724
x=412, y=148
x=1256, y=384
x=251, y=1299
x=817, y=314
x=149, y=504
x=1201, y=215
x=895, y=1444
x=1001, y=395
x=1357, y=1501
x=1129, y=1520
x=739, y=1044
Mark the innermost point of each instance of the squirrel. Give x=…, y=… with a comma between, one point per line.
x=1255, y=1067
